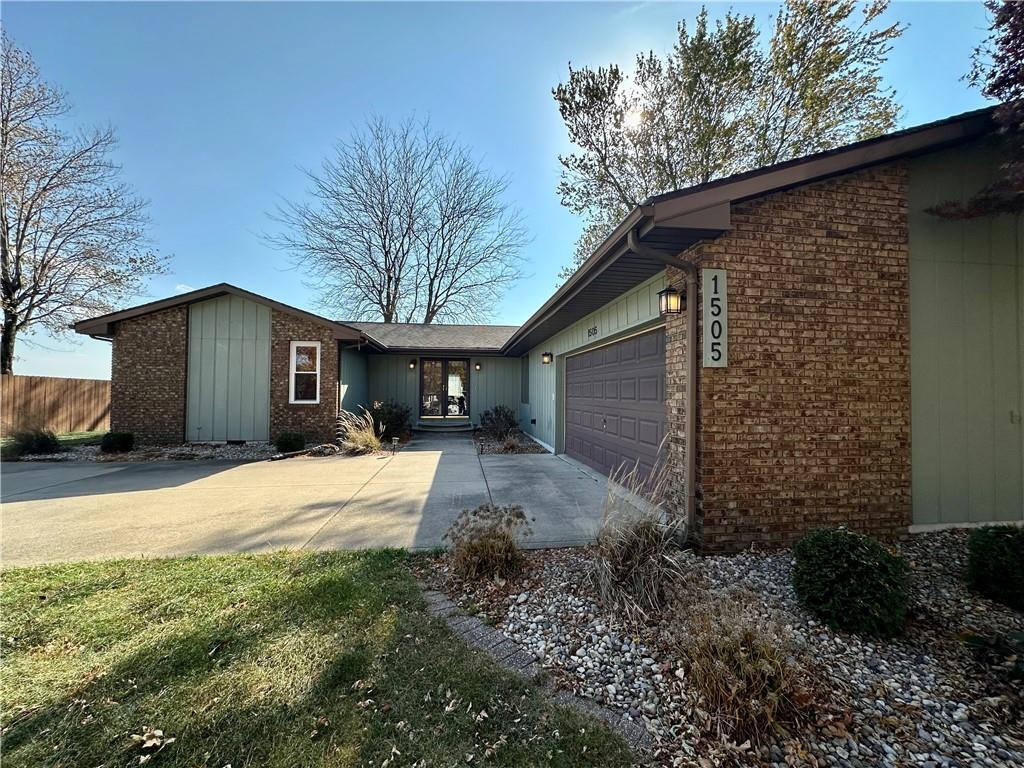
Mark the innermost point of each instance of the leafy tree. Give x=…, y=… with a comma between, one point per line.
x=721, y=102
x=998, y=69
x=72, y=235
x=403, y=225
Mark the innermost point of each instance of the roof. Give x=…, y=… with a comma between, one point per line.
x=674, y=221
x=418, y=337
x=102, y=326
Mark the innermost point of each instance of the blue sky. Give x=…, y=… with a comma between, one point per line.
x=217, y=105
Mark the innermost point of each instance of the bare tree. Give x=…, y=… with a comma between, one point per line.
x=403, y=225
x=73, y=241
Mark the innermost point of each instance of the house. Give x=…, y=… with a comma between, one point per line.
x=855, y=359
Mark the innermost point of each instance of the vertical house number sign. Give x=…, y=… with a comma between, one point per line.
x=716, y=318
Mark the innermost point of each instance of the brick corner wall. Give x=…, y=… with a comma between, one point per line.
x=809, y=425
x=316, y=422
x=148, y=377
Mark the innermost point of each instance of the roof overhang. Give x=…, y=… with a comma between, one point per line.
x=103, y=326
x=673, y=222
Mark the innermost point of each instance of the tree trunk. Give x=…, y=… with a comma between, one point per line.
x=7, y=343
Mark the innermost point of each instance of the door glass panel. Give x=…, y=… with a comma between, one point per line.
x=458, y=388
x=432, y=388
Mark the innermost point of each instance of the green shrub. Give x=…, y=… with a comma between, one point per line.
x=393, y=417
x=288, y=442
x=117, y=442
x=499, y=422
x=754, y=677
x=358, y=433
x=33, y=441
x=851, y=582
x=995, y=563
x=484, y=541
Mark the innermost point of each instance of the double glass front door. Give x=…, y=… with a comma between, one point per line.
x=444, y=389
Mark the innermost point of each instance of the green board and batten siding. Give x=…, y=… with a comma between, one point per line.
x=967, y=363
x=632, y=311
x=228, y=370
x=352, y=378
x=496, y=383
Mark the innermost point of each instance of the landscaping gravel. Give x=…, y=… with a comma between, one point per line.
x=522, y=444
x=917, y=700
x=246, y=452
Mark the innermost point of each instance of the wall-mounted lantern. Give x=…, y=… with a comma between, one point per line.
x=412, y=365
x=546, y=358
x=477, y=366
x=670, y=301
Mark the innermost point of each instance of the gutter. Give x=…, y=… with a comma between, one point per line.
x=692, y=369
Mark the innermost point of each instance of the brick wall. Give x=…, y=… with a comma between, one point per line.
x=147, y=381
x=316, y=422
x=809, y=425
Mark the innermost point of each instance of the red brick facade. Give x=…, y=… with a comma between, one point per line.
x=148, y=377
x=809, y=425
x=316, y=422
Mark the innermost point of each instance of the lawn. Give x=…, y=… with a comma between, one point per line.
x=297, y=659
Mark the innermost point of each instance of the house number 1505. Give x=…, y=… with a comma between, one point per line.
x=716, y=318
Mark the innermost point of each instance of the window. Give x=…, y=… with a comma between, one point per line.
x=524, y=384
x=304, y=381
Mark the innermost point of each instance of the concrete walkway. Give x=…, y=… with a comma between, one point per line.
x=61, y=511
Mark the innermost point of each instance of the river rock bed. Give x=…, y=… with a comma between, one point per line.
x=197, y=452
x=920, y=699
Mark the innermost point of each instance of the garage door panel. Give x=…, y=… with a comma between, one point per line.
x=621, y=417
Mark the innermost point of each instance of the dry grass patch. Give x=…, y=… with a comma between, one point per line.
x=359, y=432
x=484, y=541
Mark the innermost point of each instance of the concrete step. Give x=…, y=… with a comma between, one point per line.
x=429, y=426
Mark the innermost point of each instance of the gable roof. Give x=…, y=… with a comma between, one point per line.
x=102, y=326
x=417, y=337
x=674, y=221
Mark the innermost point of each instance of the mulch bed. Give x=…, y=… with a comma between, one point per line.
x=517, y=442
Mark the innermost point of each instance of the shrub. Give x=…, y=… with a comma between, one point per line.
x=499, y=422
x=851, y=582
x=995, y=563
x=117, y=442
x=358, y=433
x=288, y=442
x=484, y=541
x=393, y=417
x=636, y=564
x=32, y=441
x=511, y=444
x=752, y=674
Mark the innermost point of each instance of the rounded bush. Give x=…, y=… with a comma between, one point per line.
x=33, y=441
x=287, y=442
x=394, y=418
x=995, y=563
x=117, y=442
x=851, y=582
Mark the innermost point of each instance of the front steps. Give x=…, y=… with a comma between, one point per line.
x=444, y=427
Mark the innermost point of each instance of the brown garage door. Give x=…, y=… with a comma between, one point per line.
x=615, y=403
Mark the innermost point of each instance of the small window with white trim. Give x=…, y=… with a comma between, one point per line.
x=305, y=372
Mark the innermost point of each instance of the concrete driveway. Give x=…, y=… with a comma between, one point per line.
x=54, y=512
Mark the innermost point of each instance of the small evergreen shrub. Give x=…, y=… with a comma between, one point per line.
x=393, y=418
x=33, y=442
x=995, y=563
x=484, y=541
x=117, y=442
x=851, y=582
x=287, y=442
x=358, y=433
x=499, y=422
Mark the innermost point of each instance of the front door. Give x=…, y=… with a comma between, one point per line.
x=444, y=389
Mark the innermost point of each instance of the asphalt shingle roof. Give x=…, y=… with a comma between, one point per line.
x=436, y=336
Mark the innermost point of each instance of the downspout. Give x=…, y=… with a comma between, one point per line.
x=692, y=369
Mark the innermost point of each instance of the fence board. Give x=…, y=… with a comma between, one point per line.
x=63, y=405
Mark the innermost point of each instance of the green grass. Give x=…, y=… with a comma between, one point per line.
x=70, y=439
x=289, y=659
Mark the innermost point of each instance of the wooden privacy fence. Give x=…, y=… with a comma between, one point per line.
x=63, y=405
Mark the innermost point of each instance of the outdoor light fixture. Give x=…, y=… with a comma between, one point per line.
x=670, y=302
x=394, y=445
x=477, y=366
x=545, y=358
x=412, y=364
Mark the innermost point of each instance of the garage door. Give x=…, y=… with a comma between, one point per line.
x=615, y=403
x=228, y=370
